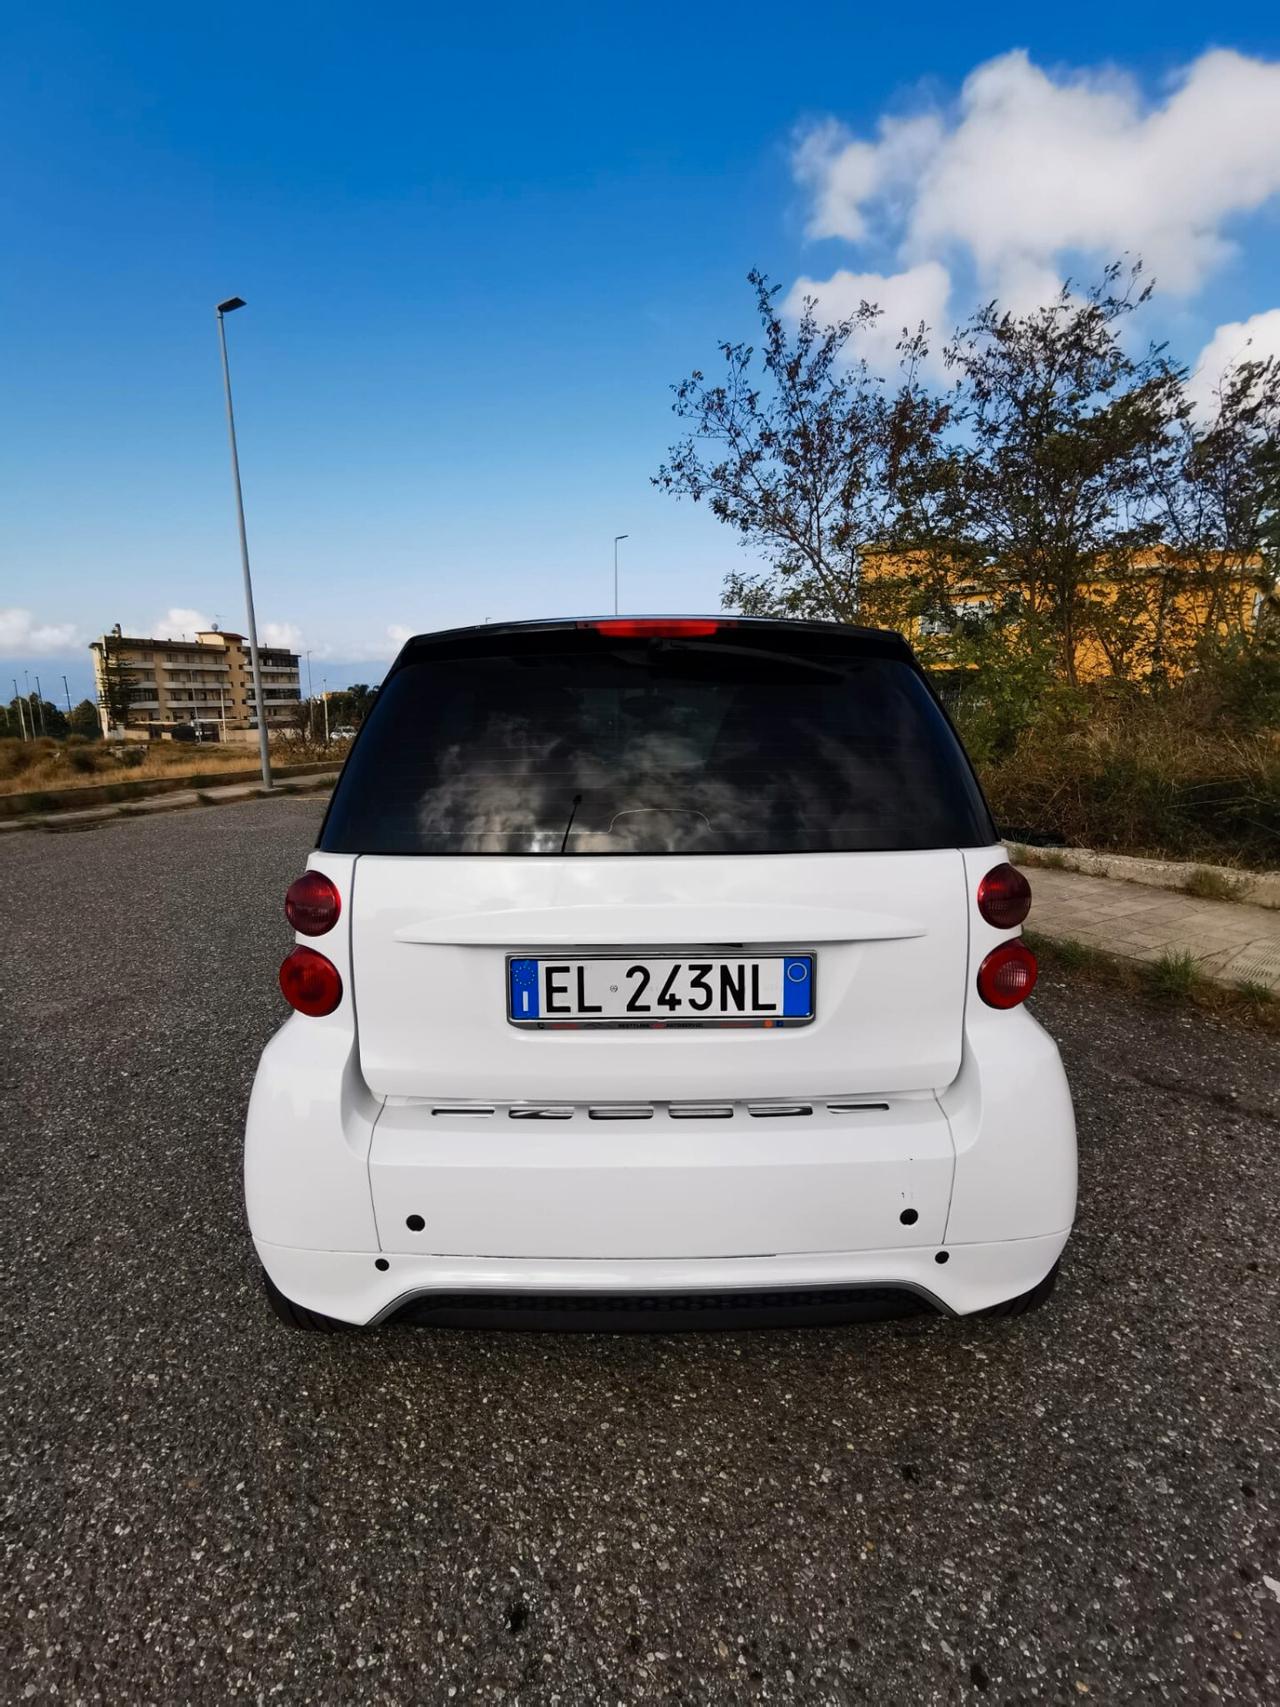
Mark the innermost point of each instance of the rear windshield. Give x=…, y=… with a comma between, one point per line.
x=571, y=742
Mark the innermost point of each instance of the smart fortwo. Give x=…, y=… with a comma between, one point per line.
x=657, y=972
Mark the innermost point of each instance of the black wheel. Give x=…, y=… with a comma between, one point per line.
x=1025, y=1301
x=294, y=1316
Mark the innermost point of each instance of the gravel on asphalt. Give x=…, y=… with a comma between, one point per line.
x=202, y=1506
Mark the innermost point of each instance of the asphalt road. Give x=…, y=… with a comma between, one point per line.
x=201, y=1506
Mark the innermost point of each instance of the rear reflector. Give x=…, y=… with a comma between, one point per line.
x=1008, y=975
x=312, y=904
x=657, y=627
x=1004, y=897
x=310, y=983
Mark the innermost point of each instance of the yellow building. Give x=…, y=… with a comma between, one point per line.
x=205, y=684
x=1149, y=614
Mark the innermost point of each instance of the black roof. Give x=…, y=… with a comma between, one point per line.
x=883, y=640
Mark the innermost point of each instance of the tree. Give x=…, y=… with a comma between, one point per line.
x=84, y=720
x=1223, y=510
x=38, y=716
x=806, y=454
x=348, y=707
x=51, y=718
x=1068, y=443
x=115, y=680
x=1030, y=494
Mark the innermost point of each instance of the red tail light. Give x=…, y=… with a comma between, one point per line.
x=312, y=904
x=1008, y=975
x=658, y=627
x=310, y=983
x=1004, y=897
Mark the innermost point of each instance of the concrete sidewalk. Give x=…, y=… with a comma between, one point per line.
x=1230, y=941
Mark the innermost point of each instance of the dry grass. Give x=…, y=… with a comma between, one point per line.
x=1209, y=885
x=1132, y=783
x=47, y=766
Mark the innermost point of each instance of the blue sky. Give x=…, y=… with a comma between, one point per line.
x=477, y=247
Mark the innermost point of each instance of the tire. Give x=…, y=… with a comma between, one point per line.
x=1026, y=1301
x=294, y=1316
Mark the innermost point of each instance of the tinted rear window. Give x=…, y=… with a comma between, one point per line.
x=567, y=741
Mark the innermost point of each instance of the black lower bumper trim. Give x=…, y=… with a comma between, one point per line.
x=660, y=1312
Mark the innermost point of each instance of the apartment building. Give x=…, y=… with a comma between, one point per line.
x=152, y=687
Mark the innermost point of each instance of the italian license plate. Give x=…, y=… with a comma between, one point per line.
x=650, y=990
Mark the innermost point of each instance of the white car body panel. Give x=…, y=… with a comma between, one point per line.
x=889, y=931
x=343, y=1144
x=347, y=1286
x=748, y=1185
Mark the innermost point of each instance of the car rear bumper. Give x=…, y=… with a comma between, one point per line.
x=350, y=1286
x=360, y=1209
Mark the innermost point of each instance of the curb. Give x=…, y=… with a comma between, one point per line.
x=177, y=800
x=1256, y=888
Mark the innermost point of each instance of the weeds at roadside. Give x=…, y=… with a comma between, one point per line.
x=1173, y=975
x=1250, y=1003
x=1209, y=885
x=1074, y=955
x=1047, y=859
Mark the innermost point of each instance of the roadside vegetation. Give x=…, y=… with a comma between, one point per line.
x=45, y=768
x=1173, y=978
x=1082, y=551
x=1188, y=770
x=69, y=753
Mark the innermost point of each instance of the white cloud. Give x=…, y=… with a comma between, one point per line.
x=286, y=634
x=919, y=294
x=1032, y=170
x=1253, y=340
x=21, y=636
x=844, y=173
x=377, y=651
x=175, y=623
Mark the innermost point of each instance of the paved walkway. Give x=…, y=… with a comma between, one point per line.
x=1229, y=940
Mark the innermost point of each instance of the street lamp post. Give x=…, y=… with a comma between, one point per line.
x=260, y=704
x=616, y=538
x=311, y=709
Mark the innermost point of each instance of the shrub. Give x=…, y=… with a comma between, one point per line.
x=18, y=757
x=1144, y=773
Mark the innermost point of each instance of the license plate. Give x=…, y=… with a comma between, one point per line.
x=665, y=990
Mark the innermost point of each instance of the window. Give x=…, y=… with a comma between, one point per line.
x=764, y=739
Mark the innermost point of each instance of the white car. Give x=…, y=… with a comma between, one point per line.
x=657, y=972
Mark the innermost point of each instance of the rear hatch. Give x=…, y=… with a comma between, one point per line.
x=709, y=810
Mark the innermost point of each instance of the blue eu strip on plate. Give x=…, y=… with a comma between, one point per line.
x=524, y=989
